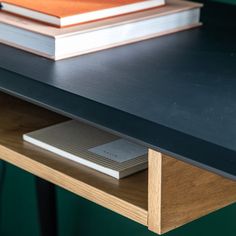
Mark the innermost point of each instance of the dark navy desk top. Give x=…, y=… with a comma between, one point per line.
x=176, y=94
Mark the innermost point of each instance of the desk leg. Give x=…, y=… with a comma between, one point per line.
x=46, y=197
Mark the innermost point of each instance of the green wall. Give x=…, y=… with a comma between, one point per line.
x=227, y=1
x=80, y=217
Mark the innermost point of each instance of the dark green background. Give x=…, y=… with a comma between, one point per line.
x=78, y=216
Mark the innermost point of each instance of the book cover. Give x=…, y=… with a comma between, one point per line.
x=68, y=12
x=91, y=147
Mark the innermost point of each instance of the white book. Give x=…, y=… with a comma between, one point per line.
x=60, y=43
x=91, y=147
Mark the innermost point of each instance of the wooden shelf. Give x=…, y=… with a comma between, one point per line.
x=127, y=196
x=170, y=194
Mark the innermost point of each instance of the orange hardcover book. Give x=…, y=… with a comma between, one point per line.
x=64, y=13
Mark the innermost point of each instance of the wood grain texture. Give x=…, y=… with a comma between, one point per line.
x=187, y=193
x=154, y=190
x=127, y=197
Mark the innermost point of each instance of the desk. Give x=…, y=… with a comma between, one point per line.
x=175, y=95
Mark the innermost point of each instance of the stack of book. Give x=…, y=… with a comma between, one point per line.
x=59, y=29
